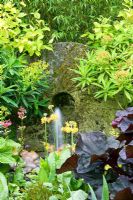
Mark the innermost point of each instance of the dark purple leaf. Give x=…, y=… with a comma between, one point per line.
x=69, y=165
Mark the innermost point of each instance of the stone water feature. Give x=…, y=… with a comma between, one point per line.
x=90, y=113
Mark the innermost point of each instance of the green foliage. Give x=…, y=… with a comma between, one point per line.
x=22, y=85
x=105, y=191
x=37, y=191
x=3, y=187
x=78, y=195
x=69, y=19
x=63, y=186
x=17, y=34
x=8, y=150
x=108, y=69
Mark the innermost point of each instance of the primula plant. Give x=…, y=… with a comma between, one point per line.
x=46, y=119
x=108, y=69
x=70, y=128
x=97, y=154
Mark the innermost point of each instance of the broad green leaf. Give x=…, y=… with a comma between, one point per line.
x=78, y=195
x=53, y=198
x=2, y=143
x=3, y=188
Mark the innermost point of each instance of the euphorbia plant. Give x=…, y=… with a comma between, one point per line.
x=97, y=154
x=109, y=63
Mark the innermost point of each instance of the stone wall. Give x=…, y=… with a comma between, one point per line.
x=90, y=113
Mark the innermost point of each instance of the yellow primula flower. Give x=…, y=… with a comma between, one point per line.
x=50, y=107
x=53, y=117
x=107, y=167
x=70, y=127
x=74, y=130
x=43, y=120
x=120, y=165
x=49, y=119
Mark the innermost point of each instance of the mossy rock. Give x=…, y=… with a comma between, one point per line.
x=90, y=113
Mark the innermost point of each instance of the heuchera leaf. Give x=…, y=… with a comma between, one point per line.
x=69, y=165
x=119, y=185
x=124, y=120
x=125, y=194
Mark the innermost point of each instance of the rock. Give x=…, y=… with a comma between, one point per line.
x=90, y=113
x=31, y=160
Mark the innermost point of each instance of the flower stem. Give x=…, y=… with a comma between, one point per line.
x=72, y=139
x=22, y=134
x=45, y=137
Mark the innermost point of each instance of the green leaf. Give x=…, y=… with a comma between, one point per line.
x=127, y=94
x=53, y=198
x=6, y=157
x=3, y=188
x=2, y=143
x=43, y=174
x=37, y=15
x=10, y=101
x=93, y=196
x=105, y=190
x=78, y=195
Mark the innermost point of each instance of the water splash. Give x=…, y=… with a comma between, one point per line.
x=57, y=128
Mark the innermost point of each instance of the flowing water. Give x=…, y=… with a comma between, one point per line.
x=57, y=128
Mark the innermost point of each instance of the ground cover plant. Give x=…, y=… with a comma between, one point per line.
x=107, y=70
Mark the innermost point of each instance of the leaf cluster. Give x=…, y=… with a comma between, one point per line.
x=113, y=157
x=63, y=186
x=108, y=68
x=22, y=85
x=68, y=19
x=16, y=33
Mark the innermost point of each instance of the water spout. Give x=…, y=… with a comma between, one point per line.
x=57, y=129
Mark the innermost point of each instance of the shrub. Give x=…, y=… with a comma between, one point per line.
x=22, y=84
x=107, y=71
x=20, y=35
x=69, y=19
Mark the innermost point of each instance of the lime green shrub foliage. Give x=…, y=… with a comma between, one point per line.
x=22, y=84
x=16, y=33
x=109, y=63
x=68, y=19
